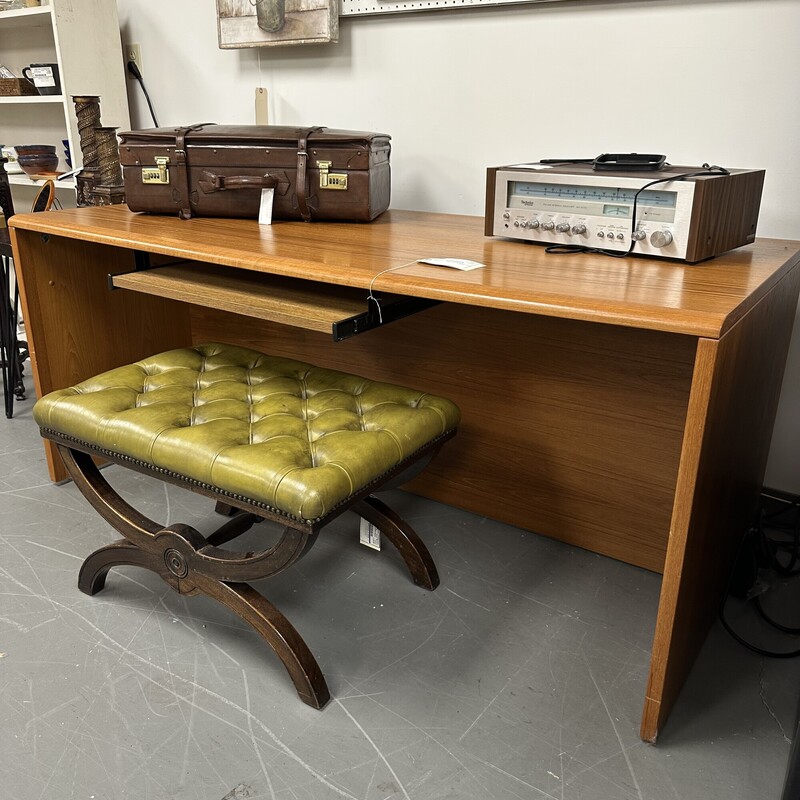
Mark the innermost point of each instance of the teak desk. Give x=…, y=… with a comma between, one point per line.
x=621, y=405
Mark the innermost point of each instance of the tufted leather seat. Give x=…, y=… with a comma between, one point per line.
x=267, y=438
x=298, y=438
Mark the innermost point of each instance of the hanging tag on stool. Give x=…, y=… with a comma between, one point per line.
x=370, y=535
x=265, y=209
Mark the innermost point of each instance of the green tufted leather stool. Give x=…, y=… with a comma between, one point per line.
x=268, y=438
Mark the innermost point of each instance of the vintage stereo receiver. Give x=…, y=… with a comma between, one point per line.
x=690, y=218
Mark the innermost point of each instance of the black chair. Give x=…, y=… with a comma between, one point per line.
x=13, y=351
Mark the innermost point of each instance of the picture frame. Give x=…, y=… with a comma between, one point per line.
x=264, y=23
x=357, y=8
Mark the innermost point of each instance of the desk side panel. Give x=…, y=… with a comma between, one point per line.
x=75, y=326
x=728, y=432
x=570, y=429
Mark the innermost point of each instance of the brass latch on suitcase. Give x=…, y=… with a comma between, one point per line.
x=157, y=174
x=330, y=180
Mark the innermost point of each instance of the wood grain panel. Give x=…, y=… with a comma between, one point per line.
x=76, y=327
x=234, y=8
x=302, y=304
x=729, y=424
x=570, y=429
x=738, y=196
x=701, y=299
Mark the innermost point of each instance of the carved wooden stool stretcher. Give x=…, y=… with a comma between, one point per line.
x=269, y=439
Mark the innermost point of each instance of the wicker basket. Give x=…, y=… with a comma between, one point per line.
x=16, y=87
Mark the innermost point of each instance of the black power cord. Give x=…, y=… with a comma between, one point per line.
x=566, y=249
x=765, y=549
x=134, y=70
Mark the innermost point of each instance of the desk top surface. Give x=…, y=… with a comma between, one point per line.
x=697, y=299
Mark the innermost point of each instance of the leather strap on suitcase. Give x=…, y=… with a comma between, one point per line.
x=215, y=183
x=302, y=173
x=182, y=191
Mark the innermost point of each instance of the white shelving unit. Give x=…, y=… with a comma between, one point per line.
x=83, y=38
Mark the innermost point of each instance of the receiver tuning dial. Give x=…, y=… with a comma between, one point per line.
x=563, y=227
x=660, y=238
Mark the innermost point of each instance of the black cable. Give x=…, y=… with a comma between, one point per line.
x=752, y=647
x=763, y=614
x=562, y=249
x=771, y=546
x=134, y=70
x=763, y=553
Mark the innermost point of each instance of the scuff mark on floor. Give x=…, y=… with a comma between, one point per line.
x=238, y=792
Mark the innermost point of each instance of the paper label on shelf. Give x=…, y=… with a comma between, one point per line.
x=265, y=209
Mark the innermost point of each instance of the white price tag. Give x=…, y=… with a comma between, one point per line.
x=370, y=535
x=265, y=209
x=43, y=76
x=452, y=263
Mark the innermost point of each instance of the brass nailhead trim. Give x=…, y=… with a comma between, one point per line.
x=112, y=455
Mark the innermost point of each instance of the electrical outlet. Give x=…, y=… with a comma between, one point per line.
x=133, y=52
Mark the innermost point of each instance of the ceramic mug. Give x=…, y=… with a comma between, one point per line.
x=44, y=77
x=12, y=166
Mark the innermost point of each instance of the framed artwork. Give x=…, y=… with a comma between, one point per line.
x=259, y=23
x=366, y=7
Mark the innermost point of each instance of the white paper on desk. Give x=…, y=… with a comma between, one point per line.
x=265, y=209
x=452, y=263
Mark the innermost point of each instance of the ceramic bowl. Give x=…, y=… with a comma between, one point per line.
x=32, y=149
x=37, y=162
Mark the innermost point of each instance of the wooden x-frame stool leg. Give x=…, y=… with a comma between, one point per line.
x=195, y=564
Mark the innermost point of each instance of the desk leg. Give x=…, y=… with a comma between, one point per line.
x=732, y=407
x=76, y=326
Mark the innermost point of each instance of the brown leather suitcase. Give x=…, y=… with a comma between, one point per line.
x=220, y=170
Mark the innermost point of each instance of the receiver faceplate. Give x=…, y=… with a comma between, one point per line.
x=690, y=219
x=592, y=210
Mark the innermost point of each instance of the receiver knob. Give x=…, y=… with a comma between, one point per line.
x=660, y=238
x=534, y=223
x=637, y=236
x=548, y=226
x=578, y=229
x=562, y=227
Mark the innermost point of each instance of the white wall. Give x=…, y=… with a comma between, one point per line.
x=711, y=81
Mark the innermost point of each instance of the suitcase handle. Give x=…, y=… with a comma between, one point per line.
x=220, y=183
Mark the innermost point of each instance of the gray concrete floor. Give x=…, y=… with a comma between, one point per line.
x=521, y=676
